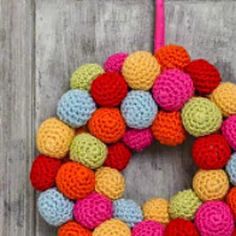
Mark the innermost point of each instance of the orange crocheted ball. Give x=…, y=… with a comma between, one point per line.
x=72, y=228
x=172, y=56
x=231, y=200
x=167, y=128
x=107, y=124
x=75, y=181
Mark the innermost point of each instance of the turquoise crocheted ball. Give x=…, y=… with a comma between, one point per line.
x=54, y=208
x=139, y=109
x=75, y=108
x=127, y=211
x=231, y=169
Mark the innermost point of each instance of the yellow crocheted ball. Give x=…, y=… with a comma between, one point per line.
x=224, y=96
x=54, y=138
x=211, y=184
x=140, y=69
x=83, y=77
x=112, y=227
x=156, y=209
x=110, y=182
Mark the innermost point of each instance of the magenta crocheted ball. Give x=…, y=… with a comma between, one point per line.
x=138, y=139
x=93, y=210
x=229, y=130
x=115, y=62
x=214, y=218
x=148, y=228
x=172, y=89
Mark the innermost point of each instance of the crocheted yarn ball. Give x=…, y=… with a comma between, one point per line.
x=211, y=184
x=138, y=139
x=83, y=77
x=113, y=227
x=224, y=96
x=211, y=152
x=110, y=182
x=54, y=138
x=75, y=107
x=172, y=56
x=115, y=62
x=229, y=130
x=107, y=124
x=127, y=211
x=88, y=150
x=168, y=129
x=172, y=89
x=109, y=89
x=93, y=210
x=231, y=200
x=156, y=209
x=75, y=181
x=139, y=109
x=140, y=69
x=54, y=208
x=205, y=76
x=181, y=227
x=147, y=228
x=201, y=116
x=43, y=172
x=214, y=218
x=184, y=205
x=73, y=229
x=231, y=169
x=118, y=156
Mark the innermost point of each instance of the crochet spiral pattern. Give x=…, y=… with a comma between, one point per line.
x=122, y=108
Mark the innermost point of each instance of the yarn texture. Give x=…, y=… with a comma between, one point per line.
x=93, y=210
x=75, y=108
x=115, y=62
x=231, y=169
x=201, y=117
x=73, y=229
x=54, y=138
x=231, y=200
x=211, y=184
x=229, y=130
x=172, y=89
x=139, y=109
x=88, y=151
x=140, y=69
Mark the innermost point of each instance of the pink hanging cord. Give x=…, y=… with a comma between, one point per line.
x=159, y=37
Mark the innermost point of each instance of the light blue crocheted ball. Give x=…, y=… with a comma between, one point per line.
x=75, y=108
x=127, y=211
x=139, y=109
x=54, y=208
x=231, y=168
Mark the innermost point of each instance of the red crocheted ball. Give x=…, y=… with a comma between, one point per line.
x=181, y=227
x=205, y=76
x=234, y=233
x=109, y=89
x=43, y=172
x=211, y=152
x=118, y=156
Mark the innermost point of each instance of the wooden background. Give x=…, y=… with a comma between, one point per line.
x=41, y=44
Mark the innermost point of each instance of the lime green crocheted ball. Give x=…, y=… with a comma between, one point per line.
x=184, y=205
x=83, y=77
x=88, y=150
x=201, y=117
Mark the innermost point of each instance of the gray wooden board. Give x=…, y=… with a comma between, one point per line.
x=41, y=44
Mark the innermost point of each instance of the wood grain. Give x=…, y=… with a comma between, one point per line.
x=42, y=42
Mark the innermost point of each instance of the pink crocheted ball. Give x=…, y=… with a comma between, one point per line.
x=214, y=218
x=138, y=139
x=229, y=130
x=93, y=210
x=148, y=228
x=172, y=89
x=115, y=62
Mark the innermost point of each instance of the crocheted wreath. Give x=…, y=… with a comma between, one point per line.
x=121, y=107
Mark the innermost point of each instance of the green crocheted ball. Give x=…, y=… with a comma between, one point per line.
x=201, y=117
x=88, y=150
x=184, y=205
x=83, y=77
